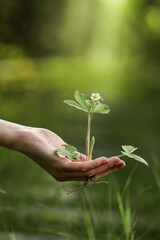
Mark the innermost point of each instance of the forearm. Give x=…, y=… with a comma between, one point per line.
x=10, y=134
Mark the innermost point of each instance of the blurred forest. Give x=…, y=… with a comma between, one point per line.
x=49, y=49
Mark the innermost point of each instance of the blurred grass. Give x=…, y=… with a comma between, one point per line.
x=31, y=201
x=47, y=51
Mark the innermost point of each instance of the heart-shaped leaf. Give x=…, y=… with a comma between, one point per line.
x=128, y=148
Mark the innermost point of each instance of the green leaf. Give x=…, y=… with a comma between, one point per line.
x=81, y=98
x=69, y=152
x=72, y=156
x=136, y=157
x=128, y=148
x=74, y=104
x=101, y=108
x=92, y=146
x=61, y=151
x=69, y=148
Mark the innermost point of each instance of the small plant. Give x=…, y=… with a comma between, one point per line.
x=92, y=105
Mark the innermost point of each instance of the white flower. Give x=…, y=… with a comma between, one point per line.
x=95, y=96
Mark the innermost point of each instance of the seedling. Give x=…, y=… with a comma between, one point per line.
x=91, y=105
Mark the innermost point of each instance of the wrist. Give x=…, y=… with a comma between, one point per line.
x=17, y=139
x=10, y=135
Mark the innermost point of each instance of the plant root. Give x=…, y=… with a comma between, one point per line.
x=84, y=185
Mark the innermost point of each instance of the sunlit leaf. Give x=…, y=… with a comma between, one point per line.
x=136, y=157
x=101, y=108
x=76, y=105
x=81, y=98
x=128, y=148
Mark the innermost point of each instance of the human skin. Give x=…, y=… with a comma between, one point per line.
x=39, y=145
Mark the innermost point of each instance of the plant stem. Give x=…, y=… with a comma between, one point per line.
x=121, y=155
x=92, y=146
x=88, y=137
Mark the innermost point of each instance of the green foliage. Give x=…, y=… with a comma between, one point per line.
x=100, y=108
x=70, y=148
x=124, y=204
x=92, y=105
x=74, y=104
x=88, y=104
x=128, y=150
x=81, y=98
x=69, y=152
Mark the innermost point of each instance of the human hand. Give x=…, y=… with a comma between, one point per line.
x=39, y=144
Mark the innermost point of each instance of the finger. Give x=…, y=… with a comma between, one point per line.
x=85, y=166
x=110, y=163
x=82, y=157
x=83, y=178
x=109, y=170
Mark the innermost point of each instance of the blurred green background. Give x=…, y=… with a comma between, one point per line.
x=48, y=50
